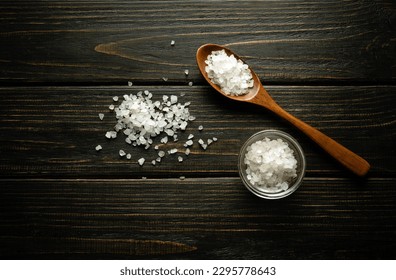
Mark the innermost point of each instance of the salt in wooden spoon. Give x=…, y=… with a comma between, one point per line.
x=259, y=96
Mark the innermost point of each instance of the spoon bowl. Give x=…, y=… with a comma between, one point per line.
x=202, y=55
x=259, y=96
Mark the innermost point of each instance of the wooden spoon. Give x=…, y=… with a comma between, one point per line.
x=258, y=95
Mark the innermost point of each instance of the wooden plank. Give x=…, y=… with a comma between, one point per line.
x=215, y=218
x=114, y=41
x=53, y=131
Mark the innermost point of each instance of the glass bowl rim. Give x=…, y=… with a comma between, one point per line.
x=293, y=144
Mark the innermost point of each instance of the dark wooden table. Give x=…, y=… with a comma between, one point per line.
x=330, y=63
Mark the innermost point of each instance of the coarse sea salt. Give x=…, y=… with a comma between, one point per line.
x=140, y=120
x=270, y=165
x=232, y=75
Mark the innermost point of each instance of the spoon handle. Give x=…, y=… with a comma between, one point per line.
x=349, y=159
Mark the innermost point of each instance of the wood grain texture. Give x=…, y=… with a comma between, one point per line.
x=53, y=131
x=113, y=41
x=329, y=63
x=205, y=218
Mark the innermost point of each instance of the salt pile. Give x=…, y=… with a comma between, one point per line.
x=232, y=75
x=141, y=119
x=271, y=164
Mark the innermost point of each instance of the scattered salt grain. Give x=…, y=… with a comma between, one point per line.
x=214, y=139
x=128, y=156
x=190, y=84
x=141, y=161
x=271, y=164
x=182, y=177
x=210, y=141
x=187, y=152
x=172, y=151
x=179, y=158
x=122, y=153
x=111, y=134
x=200, y=128
x=111, y=107
x=191, y=136
x=172, y=42
x=188, y=143
x=101, y=116
x=161, y=153
x=186, y=72
x=153, y=162
x=98, y=147
x=164, y=140
x=202, y=144
x=231, y=74
x=165, y=79
x=115, y=98
x=130, y=84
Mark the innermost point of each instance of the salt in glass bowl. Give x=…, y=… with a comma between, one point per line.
x=298, y=153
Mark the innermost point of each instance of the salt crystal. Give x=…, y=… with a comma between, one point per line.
x=170, y=132
x=111, y=134
x=130, y=84
x=173, y=99
x=122, y=153
x=161, y=153
x=153, y=162
x=141, y=161
x=214, y=139
x=188, y=143
x=98, y=147
x=190, y=84
x=180, y=159
x=128, y=156
x=101, y=116
x=164, y=79
x=200, y=128
x=164, y=140
x=191, y=136
x=115, y=98
x=210, y=141
x=111, y=107
x=172, y=151
x=187, y=152
x=172, y=42
x=186, y=72
x=182, y=177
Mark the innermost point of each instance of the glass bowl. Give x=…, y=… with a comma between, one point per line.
x=273, y=192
